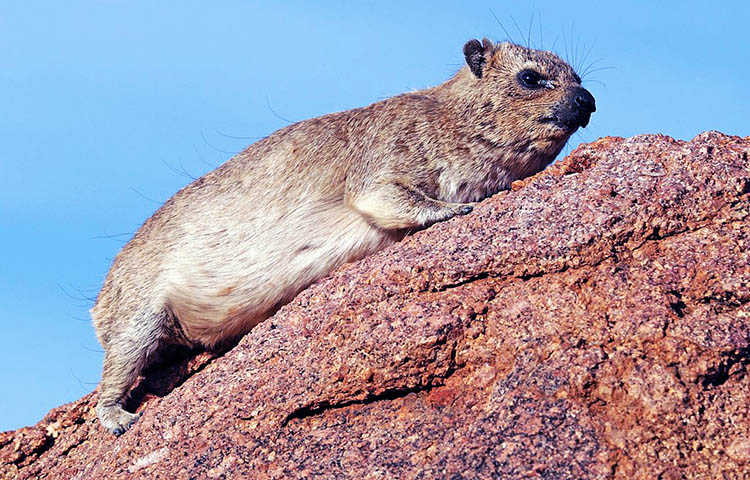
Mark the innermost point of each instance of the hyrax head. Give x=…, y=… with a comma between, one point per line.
x=534, y=93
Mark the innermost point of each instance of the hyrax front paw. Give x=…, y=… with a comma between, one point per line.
x=115, y=419
x=465, y=209
x=445, y=212
x=455, y=209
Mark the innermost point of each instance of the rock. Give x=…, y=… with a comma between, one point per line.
x=593, y=322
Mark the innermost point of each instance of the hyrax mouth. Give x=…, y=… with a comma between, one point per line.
x=564, y=125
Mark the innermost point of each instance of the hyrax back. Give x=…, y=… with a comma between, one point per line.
x=227, y=250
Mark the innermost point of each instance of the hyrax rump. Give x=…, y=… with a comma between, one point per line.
x=227, y=250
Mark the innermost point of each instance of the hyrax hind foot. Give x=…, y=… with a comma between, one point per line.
x=115, y=419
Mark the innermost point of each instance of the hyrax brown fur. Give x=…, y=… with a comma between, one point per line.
x=227, y=250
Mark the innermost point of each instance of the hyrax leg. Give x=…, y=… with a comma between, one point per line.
x=127, y=353
x=396, y=206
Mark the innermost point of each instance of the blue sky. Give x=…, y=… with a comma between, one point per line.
x=107, y=106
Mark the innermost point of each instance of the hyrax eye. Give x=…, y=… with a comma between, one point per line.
x=530, y=79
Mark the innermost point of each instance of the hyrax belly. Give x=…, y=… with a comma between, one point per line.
x=215, y=295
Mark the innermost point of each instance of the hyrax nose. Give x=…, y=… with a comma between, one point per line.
x=584, y=100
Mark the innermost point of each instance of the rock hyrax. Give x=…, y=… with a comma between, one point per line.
x=226, y=251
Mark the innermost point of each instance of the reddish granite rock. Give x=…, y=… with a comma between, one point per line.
x=593, y=322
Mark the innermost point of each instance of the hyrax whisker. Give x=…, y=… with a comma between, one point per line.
x=541, y=33
x=528, y=35
x=520, y=32
x=508, y=36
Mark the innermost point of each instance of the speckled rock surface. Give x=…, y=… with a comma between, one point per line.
x=593, y=322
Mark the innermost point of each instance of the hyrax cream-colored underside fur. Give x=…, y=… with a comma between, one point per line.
x=227, y=250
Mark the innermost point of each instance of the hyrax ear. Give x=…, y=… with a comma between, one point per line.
x=476, y=55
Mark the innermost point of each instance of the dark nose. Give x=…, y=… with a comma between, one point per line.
x=575, y=109
x=585, y=101
x=578, y=108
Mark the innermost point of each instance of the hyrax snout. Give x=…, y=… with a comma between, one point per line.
x=209, y=264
